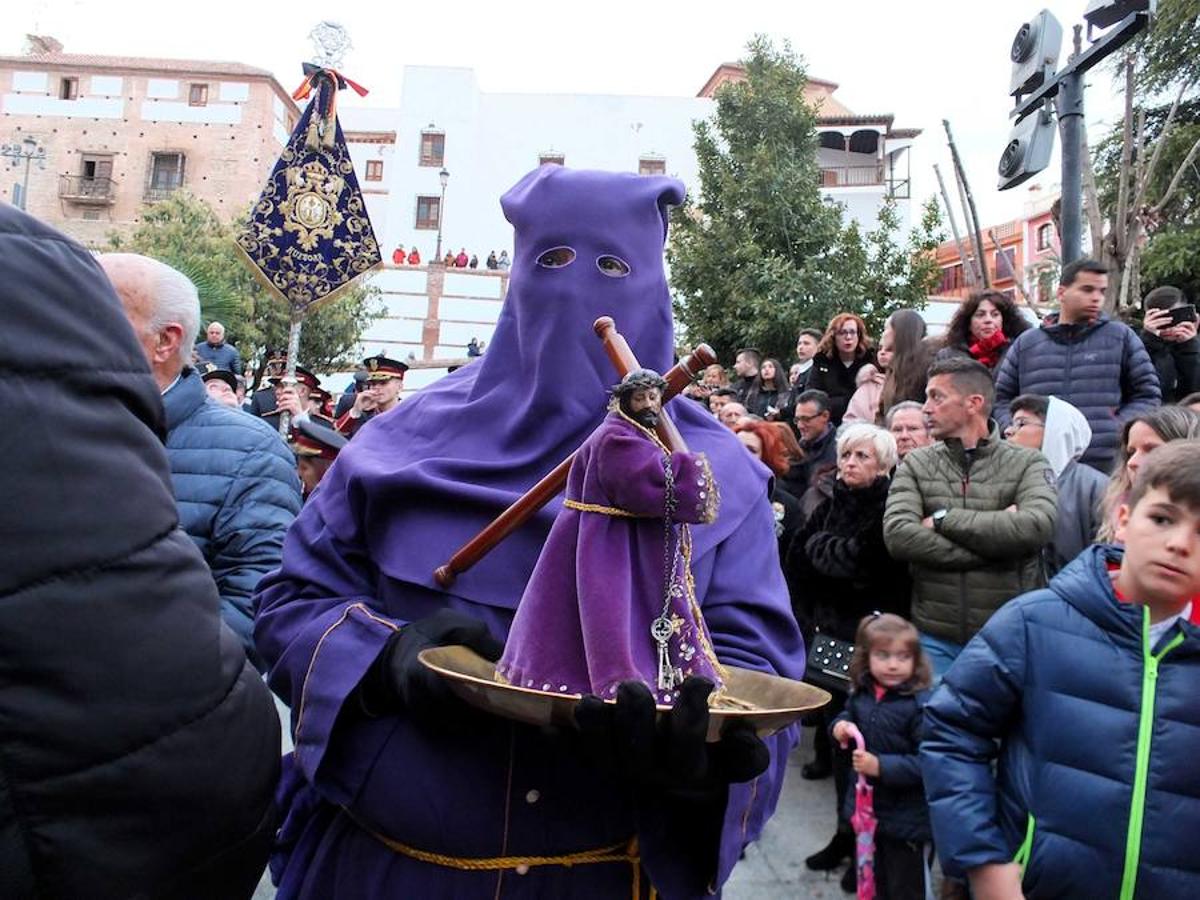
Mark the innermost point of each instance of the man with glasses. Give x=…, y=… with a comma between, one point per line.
x=817, y=440
x=1062, y=433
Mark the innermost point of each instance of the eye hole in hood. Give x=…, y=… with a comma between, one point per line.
x=556, y=258
x=612, y=266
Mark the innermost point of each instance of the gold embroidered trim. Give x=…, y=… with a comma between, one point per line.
x=597, y=508
x=624, y=852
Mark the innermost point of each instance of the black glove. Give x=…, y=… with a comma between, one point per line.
x=398, y=680
x=670, y=754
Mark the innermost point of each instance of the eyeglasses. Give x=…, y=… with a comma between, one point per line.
x=848, y=332
x=804, y=420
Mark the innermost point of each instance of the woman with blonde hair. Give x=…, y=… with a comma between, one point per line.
x=1141, y=436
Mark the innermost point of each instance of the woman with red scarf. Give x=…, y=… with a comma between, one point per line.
x=984, y=327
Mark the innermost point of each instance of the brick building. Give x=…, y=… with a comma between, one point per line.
x=1030, y=244
x=120, y=132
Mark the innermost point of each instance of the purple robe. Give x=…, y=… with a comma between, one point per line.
x=583, y=625
x=411, y=488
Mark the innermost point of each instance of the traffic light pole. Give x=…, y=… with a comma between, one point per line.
x=1067, y=85
x=1070, y=125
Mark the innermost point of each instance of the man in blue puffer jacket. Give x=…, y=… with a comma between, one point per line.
x=1091, y=687
x=234, y=478
x=1099, y=366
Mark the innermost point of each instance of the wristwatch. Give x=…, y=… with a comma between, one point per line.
x=937, y=517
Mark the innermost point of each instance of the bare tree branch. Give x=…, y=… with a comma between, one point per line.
x=1176, y=178
x=1158, y=147
x=968, y=269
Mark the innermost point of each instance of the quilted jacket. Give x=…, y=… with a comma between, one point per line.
x=982, y=555
x=1101, y=368
x=138, y=748
x=237, y=490
x=1097, y=791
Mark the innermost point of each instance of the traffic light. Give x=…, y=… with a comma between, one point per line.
x=1103, y=13
x=1028, y=150
x=1034, y=53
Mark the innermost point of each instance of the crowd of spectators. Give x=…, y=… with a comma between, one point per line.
x=933, y=480
x=452, y=260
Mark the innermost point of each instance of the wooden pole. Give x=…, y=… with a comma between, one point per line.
x=968, y=269
x=971, y=215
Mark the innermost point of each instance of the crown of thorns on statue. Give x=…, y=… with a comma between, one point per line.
x=637, y=380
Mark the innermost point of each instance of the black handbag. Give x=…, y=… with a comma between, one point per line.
x=828, y=663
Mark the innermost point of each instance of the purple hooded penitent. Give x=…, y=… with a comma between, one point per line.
x=417, y=483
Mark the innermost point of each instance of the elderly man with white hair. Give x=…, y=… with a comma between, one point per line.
x=213, y=349
x=234, y=479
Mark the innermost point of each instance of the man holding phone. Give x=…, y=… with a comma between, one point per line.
x=1169, y=333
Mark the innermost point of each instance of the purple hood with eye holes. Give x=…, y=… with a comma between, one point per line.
x=423, y=479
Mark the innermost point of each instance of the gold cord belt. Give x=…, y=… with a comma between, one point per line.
x=623, y=852
x=597, y=508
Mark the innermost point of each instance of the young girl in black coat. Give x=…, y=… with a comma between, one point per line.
x=891, y=677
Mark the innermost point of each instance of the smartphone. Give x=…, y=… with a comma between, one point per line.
x=1181, y=314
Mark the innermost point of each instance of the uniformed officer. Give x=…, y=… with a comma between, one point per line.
x=221, y=384
x=300, y=399
x=385, y=381
x=316, y=447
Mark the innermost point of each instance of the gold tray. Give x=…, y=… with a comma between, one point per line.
x=775, y=702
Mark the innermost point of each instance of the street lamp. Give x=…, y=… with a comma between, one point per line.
x=30, y=151
x=443, y=177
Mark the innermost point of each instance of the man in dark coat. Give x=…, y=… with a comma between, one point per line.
x=235, y=481
x=139, y=748
x=818, y=440
x=1082, y=356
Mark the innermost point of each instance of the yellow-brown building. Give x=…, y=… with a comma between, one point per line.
x=120, y=132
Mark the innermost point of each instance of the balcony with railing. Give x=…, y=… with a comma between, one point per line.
x=91, y=190
x=851, y=176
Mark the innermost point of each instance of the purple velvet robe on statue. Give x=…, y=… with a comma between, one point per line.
x=583, y=625
x=417, y=483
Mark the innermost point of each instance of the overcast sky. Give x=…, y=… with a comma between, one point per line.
x=923, y=60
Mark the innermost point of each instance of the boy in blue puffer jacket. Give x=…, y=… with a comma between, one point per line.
x=1091, y=687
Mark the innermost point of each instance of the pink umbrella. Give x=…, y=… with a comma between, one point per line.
x=863, y=822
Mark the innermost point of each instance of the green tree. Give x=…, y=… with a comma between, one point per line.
x=186, y=233
x=1144, y=208
x=760, y=253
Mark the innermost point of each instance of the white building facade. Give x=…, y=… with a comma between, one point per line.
x=486, y=142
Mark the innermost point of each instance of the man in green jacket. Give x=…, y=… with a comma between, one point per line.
x=970, y=513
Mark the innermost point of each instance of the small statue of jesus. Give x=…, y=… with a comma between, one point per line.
x=611, y=598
